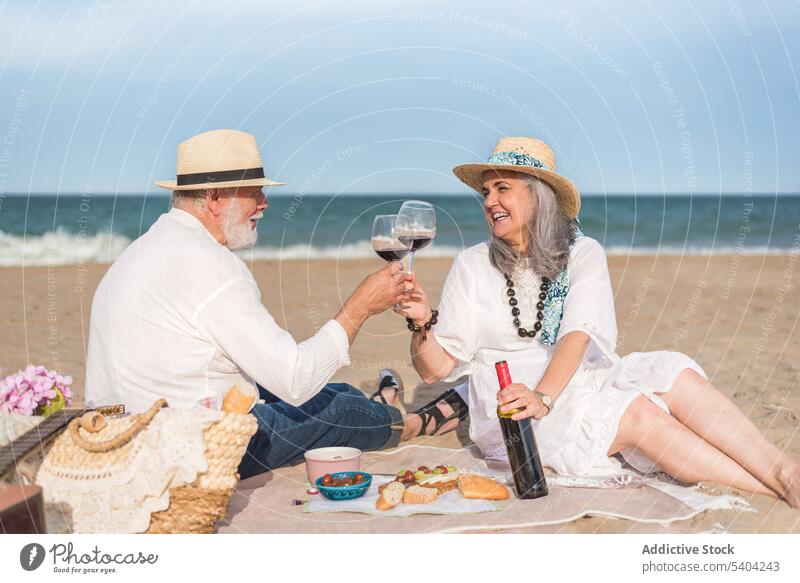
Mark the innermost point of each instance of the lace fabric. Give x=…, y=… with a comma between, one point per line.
x=115, y=492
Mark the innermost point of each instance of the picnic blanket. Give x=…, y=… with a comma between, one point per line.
x=263, y=504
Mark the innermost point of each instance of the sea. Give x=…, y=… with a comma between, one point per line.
x=73, y=229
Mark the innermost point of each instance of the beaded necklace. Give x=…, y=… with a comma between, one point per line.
x=552, y=294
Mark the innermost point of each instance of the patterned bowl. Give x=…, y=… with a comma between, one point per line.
x=344, y=492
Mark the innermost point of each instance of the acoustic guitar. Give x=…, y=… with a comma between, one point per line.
x=22, y=506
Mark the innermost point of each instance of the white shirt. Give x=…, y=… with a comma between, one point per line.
x=476, y=327
x=179, y=316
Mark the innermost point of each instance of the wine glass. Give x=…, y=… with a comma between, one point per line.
x=385, y=240
x=420, y=220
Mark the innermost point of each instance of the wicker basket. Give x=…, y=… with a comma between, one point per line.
x=194, y=507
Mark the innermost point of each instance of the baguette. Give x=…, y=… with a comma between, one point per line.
x=419, y=495
x=482, y=488
x=391, y=496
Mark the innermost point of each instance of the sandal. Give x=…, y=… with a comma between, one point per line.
x=431, y=411
x=389, y=379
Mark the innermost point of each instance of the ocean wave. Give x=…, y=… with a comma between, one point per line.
x=357, y=250
x=698, y=250
x=60, y=247
x=66, y=248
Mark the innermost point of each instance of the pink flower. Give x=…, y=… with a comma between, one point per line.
x=32, y=389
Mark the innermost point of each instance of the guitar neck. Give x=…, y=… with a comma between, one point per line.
x=35, y=437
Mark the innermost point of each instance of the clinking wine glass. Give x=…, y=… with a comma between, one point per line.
x=417, y=227
x=385, y=239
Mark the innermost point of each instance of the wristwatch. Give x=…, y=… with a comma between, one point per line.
x=546, y=401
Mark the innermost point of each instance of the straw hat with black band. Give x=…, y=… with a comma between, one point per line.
x=528, y=156
x=218, y=159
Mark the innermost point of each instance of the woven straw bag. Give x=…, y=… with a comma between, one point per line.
x=80, y=458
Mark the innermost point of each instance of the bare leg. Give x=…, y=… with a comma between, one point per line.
x=678, y=450
x=705, y=410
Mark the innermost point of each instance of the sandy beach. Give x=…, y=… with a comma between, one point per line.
x=736, y=315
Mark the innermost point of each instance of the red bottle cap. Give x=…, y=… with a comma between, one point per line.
x=503, y=376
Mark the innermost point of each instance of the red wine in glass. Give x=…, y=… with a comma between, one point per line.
x=419, y=227
x=392, y=254
x=385, y=240
x=416, y=243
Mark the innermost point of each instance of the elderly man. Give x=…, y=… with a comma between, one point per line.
x=179, y=316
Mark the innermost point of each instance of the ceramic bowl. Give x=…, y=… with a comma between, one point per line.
x=329, y=460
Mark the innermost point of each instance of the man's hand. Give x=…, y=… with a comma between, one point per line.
x=383, y=289
x=518, y=396
x=378, y=292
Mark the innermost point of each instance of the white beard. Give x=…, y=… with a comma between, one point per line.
x=238, y=235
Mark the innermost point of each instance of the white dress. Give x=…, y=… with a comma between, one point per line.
x=475, y=326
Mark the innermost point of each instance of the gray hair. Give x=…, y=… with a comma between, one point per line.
x=549, y=232
x=188, y=200
x=191, y=200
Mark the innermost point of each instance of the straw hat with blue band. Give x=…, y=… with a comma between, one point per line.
x=218, y=159
x=528, y=156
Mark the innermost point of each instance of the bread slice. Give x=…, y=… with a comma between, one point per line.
x=391, y=496
x=419, y=495
x=482, y=488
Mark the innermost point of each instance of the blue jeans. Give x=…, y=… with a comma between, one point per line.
x=339, y=415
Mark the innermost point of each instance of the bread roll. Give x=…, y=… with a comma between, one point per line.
x=419, y=495
x=236, y=401
x=482, y=488
x=391, y=496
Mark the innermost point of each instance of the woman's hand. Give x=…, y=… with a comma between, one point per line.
x=417, y=307
x=518, y=396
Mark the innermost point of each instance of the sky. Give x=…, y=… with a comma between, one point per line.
x=386, y=97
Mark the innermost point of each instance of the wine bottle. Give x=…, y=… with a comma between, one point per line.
x=523, y=455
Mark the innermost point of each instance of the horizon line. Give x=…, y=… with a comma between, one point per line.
x=160, y=194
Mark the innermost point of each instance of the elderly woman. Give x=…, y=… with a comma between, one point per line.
x=538, y=295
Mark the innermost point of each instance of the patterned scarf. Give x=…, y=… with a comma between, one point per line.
x=554, y=303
